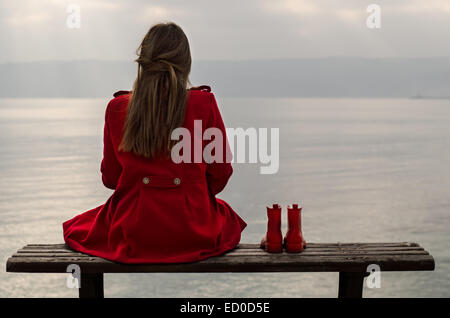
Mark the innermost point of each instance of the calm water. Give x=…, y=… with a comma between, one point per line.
x=365, y=170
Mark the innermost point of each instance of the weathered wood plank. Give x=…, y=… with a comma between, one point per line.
x=339, y=250
x=365, y=244
x=309, y=249
x=252, y=253
x=253, y=246
x=318, y=257
x=35, y=250
x=331, y=253
x=269, y=263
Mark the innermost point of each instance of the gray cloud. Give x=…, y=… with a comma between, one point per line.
x=250, y=29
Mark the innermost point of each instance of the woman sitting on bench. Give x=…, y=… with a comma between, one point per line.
x=162, y=210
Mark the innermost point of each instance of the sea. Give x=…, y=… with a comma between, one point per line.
x=364, y=170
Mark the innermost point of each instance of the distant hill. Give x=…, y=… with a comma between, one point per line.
x=304, y=77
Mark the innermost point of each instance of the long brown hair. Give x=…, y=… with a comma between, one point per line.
x=158, y=100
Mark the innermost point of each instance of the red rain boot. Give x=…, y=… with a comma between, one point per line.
x=293, y=241
x=273, y=241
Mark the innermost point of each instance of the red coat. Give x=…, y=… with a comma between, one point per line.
x=160, y=211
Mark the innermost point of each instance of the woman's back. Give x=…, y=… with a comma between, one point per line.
x=201, y=106
x=161, y=211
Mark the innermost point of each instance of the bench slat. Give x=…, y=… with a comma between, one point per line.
x=318, y=257
x=251, y=253
x=240, y=250
x=268, y=263
x=253, y=246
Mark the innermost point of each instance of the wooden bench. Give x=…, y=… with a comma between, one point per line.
x=350, y=260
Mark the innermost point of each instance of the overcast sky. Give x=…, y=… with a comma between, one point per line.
x=33, y=30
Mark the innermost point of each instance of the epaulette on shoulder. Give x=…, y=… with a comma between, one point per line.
x=203, y=88
x=119, y=93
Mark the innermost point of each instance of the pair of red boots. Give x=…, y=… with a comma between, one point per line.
x=293, y=241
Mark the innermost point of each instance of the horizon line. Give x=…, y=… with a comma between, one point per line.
x=231, y=60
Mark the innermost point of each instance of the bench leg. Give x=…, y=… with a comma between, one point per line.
x=91, y=286
x=351, y=284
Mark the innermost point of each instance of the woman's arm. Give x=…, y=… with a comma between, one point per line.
x=110, y=166
x=218, y=173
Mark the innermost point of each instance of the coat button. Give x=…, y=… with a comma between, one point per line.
x=145, y=180
x=177, y=181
